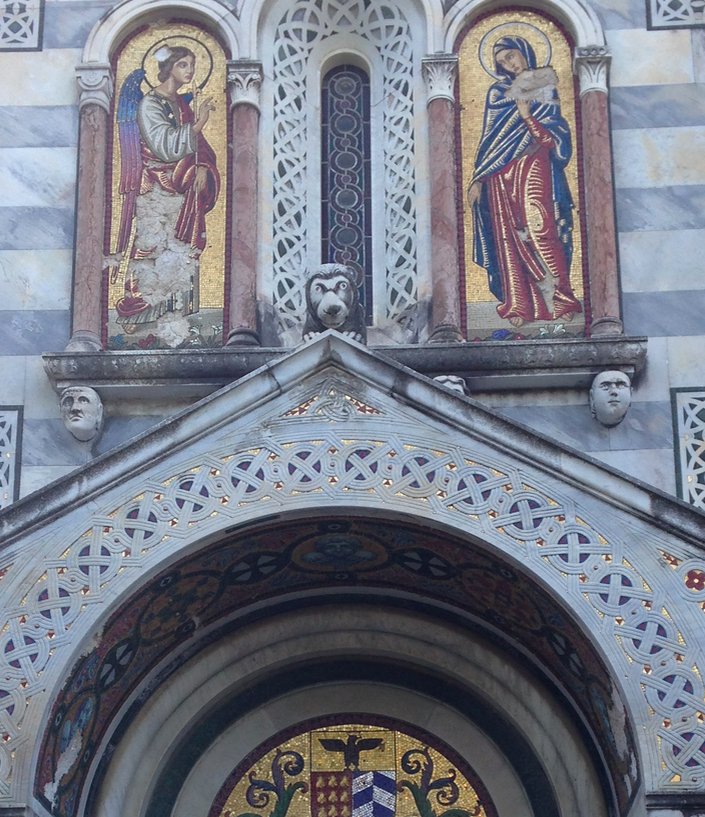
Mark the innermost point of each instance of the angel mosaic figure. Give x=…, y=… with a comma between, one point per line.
x=169, y=182
x=522, y=206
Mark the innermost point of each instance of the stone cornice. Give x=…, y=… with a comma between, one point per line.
x=486, y=366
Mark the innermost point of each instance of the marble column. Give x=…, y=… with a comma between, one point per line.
x=592, y=65
x=96, y=85
x=244, y=81
x=439, y=72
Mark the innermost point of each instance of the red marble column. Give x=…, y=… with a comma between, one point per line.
x=95, y=83
x=245, y=79
x=592, y=63
x=439, y=73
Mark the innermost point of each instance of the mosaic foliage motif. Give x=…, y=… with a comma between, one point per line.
x=204, y=588
x=524, y=267
x=21, y=25
x=303, y=27
x=346, y=206
x=353, y=766
x=167, y=181
x=689, y=417
x=10, y=425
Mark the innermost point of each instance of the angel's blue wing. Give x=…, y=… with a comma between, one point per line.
x=130, y=152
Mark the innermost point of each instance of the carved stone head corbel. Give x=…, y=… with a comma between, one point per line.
x=82, y=413
x=610, y=397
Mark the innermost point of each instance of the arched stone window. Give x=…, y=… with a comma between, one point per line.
x=299, y=42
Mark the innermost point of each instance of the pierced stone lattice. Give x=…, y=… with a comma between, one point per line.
x=690, y=447
x=20, y=25
x=9, y=455
x=580, y=559
x=301, y=28
x=676, y=13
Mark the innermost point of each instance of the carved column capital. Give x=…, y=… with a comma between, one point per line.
x=592, y=63
x=439, y=72
x=95, y=82
x=245, y=81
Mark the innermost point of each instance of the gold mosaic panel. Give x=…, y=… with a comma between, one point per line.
x=209, y=81
x=324, y=784
x=474, y=82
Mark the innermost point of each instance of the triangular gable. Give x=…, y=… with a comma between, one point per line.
x=335, y=425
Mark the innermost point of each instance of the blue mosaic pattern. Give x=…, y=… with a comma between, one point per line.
x=346, y=211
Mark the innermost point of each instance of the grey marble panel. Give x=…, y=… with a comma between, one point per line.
x=38, y=126
x=620, y=13
x=47, y=442
x=647, y=425
x=679, y=207
x=68, y=24
x=657, y=106
x=31, y=332
x=119, y=430
x=36, y=228
x=665, y=314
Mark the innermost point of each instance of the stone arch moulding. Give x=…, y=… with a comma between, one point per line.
x=335, y=425
x=151, y=631
x=591, y=60
x=311, y=653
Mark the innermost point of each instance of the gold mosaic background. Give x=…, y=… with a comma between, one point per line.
x=474, y=83
x=212, y=262
x=317, y=759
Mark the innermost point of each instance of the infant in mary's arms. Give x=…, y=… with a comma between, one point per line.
x=534, y=85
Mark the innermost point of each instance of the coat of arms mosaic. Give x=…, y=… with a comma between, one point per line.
x=353, y=766
x=166, y=231
x=519, y=139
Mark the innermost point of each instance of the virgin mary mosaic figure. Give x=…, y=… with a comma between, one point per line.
x=522, y=205
x=169, y=182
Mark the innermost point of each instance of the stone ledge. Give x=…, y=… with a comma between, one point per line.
x=194, y=373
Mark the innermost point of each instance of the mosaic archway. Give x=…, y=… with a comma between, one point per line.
x=163, y=620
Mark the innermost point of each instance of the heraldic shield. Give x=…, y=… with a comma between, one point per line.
x=367, y=766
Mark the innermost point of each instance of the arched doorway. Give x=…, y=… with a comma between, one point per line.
x=334, y=617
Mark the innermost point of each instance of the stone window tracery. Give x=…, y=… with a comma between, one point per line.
x=305, y=26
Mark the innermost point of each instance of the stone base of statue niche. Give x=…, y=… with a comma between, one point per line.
x=606, y=326
x=446, y=333
x=83, y=340
x=242, y=336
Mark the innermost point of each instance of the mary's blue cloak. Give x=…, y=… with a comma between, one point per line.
x=505, y=137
